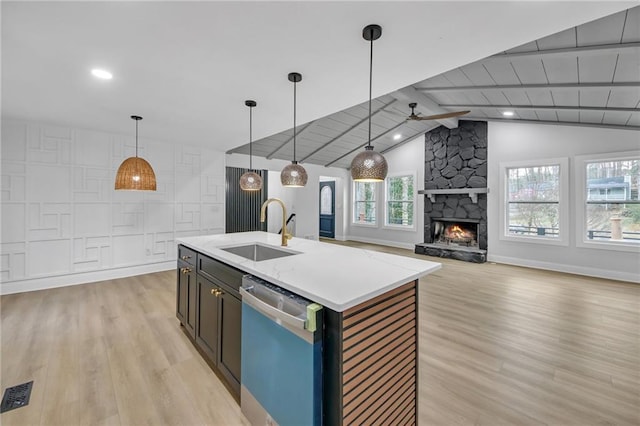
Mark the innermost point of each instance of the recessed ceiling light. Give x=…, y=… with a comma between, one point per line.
x=507, y=113
x=397, y=137
x=102, y=74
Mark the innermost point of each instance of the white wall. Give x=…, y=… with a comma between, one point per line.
x=63, y=223
x=514, y=142
x=409, y=158
x=304, y=202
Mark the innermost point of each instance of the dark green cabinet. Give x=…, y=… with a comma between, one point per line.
x=186, y=290
x=207, y=314
x=210, y=308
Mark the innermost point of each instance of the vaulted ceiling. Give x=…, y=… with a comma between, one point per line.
x=585, y=75
x=188, y=67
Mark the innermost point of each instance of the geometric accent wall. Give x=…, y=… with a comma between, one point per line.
x=61, y=214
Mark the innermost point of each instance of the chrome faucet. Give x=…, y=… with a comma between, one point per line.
x=263, y=212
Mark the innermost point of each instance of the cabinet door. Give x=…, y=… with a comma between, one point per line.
x=186, y=297
x=207, y=330
x=230, y=317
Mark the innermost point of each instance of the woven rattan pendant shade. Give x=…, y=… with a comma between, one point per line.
x=135, y=173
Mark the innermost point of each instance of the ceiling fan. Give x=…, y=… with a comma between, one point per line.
x=415, y=116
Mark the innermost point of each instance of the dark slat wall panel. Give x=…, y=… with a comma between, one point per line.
x=242, y=207
x=379, y=360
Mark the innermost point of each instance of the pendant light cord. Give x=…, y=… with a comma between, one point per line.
x=136, y=138
x=370, y=85
x=294, y=121
x=250, y=138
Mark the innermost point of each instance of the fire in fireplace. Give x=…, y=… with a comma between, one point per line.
x=455, y=232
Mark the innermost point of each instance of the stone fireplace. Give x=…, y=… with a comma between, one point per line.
x=455, y=191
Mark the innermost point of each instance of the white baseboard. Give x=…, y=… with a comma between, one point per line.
x=83, y=277
x=409, y=246
x=570, y=269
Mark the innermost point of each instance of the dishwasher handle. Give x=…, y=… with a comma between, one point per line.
x=286, y=320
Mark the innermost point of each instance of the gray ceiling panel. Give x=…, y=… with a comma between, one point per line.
x=561, y=40
x=516, y=97
x=540, y=97
x=501, y=72
x=597, y=68
x=478, y=74
x=529, y=70
x=561, y=69
x=632, y=26
x=628, y=67
x=556, y=78
x=624, y=98
x=616, y=118
x=457, y=78
x=591, y=117
x=546, y=115
x=568, y=116
x=565, y=97
x=607, y=30
x=594, y=97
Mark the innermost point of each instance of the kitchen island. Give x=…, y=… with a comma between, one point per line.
x=370, y=328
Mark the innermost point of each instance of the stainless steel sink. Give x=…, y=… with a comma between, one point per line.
x=258, y=252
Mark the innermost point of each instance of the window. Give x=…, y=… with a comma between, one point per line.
x=399, y=198
x=534, y=204
x=610, y=202
x=364, y=203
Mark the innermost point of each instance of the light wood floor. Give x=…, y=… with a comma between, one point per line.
x=499, y=345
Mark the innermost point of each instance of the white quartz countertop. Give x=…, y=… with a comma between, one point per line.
x=335, y=276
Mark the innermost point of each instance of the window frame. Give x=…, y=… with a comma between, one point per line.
x=386, y=224
x=373, y=224
x=563, y=202
x=581, y=162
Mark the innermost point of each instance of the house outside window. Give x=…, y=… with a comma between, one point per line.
x=609, y=209
x=535, y=208
x=400, y=196
x=364, y=203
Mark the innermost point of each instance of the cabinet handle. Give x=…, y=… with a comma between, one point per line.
x=185, y=270
x=216, y=292
x=213, y=291
x=185, y=257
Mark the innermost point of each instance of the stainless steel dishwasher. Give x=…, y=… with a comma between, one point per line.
x=281, y=381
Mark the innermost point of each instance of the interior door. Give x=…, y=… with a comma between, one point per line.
x=328, y=209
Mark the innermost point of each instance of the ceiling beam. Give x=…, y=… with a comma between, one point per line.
x=529, y=86
x=272, y=153
x=410, y=94
x=559, y=123
x=335, y=139
x=361, y=145
x=543, y=107
x=582, y=51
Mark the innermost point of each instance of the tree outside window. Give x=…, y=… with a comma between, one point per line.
x=612, y=201
x=364, y=203
x=533, y=201
x=400, y=194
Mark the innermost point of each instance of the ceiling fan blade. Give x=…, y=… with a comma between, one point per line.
x=445, y=115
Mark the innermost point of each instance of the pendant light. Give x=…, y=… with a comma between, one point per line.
x=135, y=173
x=250, y=180
x=369, y=166
x=294, y=175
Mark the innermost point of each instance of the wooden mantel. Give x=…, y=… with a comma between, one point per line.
x=472, y=192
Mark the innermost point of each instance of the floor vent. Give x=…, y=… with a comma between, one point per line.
x=16, y=397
